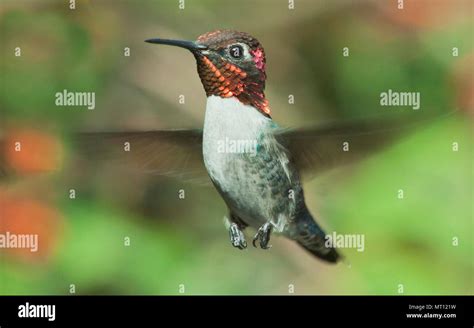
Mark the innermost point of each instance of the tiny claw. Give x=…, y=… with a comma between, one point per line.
x=255, y=240
x=263, y=236
x=237, y=237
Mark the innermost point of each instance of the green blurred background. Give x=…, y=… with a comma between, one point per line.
x=175, y=241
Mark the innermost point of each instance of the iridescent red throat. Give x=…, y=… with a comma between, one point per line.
x=224, y=79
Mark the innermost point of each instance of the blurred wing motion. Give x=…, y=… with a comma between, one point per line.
x=176, y=153
x=316, y=150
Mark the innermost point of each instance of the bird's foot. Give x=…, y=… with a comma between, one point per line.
x=263, y=236
x=237, y=237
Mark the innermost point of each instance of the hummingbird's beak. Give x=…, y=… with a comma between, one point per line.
x=190, y=45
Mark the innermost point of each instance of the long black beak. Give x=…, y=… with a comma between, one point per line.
x=190, y=45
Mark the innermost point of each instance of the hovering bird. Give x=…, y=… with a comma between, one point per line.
x=258, y=182
x=255, y=165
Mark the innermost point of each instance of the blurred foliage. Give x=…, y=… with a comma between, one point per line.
x=175, y=241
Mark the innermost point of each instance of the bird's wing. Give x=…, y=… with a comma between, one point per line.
x=176, y=153
x=319, y=149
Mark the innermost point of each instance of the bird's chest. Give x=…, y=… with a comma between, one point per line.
x=231, y=137
x=232, y=147
x=248, y=172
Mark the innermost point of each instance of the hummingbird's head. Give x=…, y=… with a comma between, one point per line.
x=230, y=64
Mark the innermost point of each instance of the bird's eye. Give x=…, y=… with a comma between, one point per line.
x=236, y=51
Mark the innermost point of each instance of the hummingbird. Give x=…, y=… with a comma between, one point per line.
x=256, y=166
x=259, y=183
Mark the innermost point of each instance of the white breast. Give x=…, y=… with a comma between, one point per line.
x=228, y=119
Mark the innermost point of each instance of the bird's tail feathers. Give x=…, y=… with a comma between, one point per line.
x=312, y=238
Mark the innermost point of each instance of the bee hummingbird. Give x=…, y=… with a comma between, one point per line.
x=256, y=166
x=258, y=182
